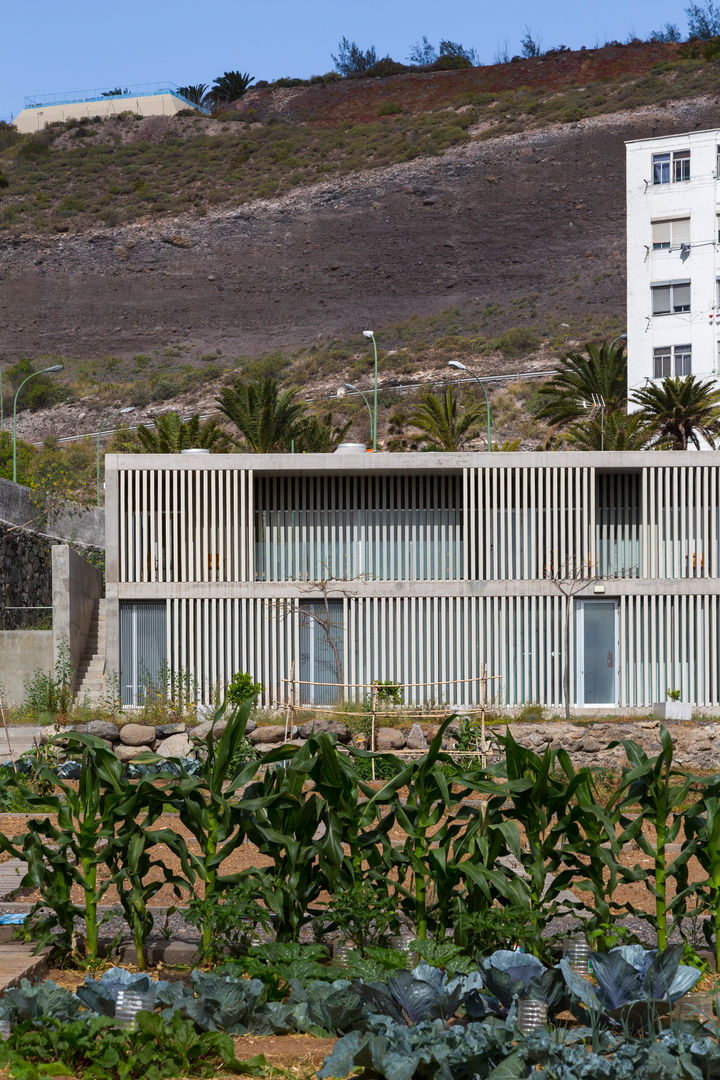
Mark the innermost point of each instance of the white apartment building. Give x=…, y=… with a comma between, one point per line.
x=673, y=267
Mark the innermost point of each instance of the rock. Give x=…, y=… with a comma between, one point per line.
x=129, y=753
x=103, y=729
x=203, y=730
x=178, y=746
x=270, y=734
x=250, y=726
x=51, y=731
x=164, y=731
x=388, y=738
x=331, y=727
x=591, y=746
x=137, y=735
x=416, y=738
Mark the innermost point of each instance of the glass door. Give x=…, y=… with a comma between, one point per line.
x=597, y=652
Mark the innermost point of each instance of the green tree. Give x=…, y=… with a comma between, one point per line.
x=598, y=372
x=268, y=418
x=197, y=93
x=618, y=431
x=703, y=20
x=442, y=424
x=321, y=435
x=681, y=411
x=228, y=87
x=172, y=434
x=351, y=59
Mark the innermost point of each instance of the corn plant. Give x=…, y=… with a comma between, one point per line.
x=73, y=851
x=659, y=791
x=702, y=832
x=207, y=806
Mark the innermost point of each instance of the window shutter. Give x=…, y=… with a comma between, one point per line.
x=661, y=299
x=680, y=231
x=661, y=232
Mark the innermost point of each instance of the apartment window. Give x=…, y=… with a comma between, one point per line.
x=681, y=165
x=683, y=359
x=667, y=167
x=668, y=235
x=676, y=359
x=670, y=298
x=662, y=363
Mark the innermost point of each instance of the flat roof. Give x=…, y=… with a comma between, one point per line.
x=677, y=135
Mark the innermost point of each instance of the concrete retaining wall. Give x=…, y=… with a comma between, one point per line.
x=21, y=653
x=76, y=588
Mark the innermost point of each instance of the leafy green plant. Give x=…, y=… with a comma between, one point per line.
x=150, y=1050
x=363, y=914
x=242, y=688
x=659, y=791
x=232, y=918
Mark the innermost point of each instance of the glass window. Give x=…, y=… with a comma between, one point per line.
x=670, y=299
x=683, y=359
x=681, y=165
x=661, y=168
x=662, y=359
x=661, y=235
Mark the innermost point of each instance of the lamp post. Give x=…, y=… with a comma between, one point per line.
x=354, y=389
x=119, y=412
x=45, y=371
x=371, y=334
x=617, y=338
x=461, y=367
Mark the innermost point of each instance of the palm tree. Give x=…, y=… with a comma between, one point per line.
x=618, y=431
x=682, y=411
x=229, y=86
x=599, y=372
x=268, y=418
x=197, y=93
x=172, y=434
x=320, y=435
x=442, y=425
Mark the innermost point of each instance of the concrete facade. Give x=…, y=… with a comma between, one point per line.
x=673, y=202
x=77, y=587
x=423, y=569
x=21, y=653
x=34, y=118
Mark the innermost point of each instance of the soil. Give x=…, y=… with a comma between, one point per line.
x=538, y=216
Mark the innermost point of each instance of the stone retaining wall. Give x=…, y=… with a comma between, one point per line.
x=697, y=745
x=25, y=575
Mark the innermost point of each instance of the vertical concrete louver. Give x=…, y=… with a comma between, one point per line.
x=435, y=565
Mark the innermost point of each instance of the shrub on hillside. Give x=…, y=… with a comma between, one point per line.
x=450, y=63
x=385, y=67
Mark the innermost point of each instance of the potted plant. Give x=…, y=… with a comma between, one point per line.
x=673, y=708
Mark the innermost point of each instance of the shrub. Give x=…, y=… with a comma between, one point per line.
x=385, y=67
x=8, y=134
x=4, y=182
x=450, y=63
x=242, y=688
x=517, y=341
x=389, y=108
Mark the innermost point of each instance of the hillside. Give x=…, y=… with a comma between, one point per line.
x=478, y=208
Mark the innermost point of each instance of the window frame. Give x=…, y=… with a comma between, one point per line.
x=673, y=244
x=671, y=167
x=674, y=307
x=673, y=360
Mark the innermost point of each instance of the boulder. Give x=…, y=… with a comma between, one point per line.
x=203, y=730
x=388, y=738
x=137, y=735
x=103, y=729
x=164, y=731
x=324, y=724
x=270, y=734
x=129, y=753
x=178, y=746
x=416, y=738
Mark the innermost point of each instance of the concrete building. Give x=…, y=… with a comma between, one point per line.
x=419, y=568
x=673, y=273
x=155, y=100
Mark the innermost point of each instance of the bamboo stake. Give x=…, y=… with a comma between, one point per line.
x=372, y=728
x=7, y=735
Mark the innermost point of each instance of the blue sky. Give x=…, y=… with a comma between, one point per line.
x=77, y=45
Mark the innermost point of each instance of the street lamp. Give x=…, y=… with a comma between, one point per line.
x=373, y=431
x=618, y=338
x=120, y=412
x=461, y=367
x=354, y=390
x=45, y=371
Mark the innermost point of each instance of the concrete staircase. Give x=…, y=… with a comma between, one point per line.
x=91, y=672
